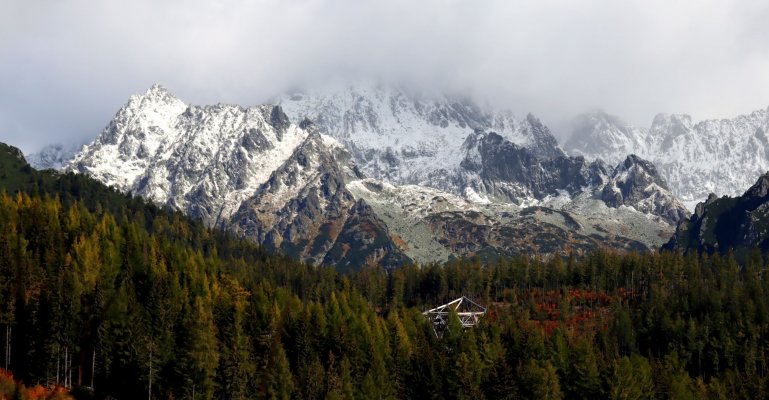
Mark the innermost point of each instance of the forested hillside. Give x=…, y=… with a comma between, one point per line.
x=99, y=290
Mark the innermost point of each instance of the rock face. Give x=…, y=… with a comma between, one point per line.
x=374, y=174
x=712, y=156
x=636, y=183
x=727, y=223
x=494, y=166
x=502, y=170
x=305, y=210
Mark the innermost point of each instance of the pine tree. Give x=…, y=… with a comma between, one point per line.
x=540, y=380
x=280, y=381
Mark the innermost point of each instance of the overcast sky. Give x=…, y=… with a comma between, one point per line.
x=67, y=66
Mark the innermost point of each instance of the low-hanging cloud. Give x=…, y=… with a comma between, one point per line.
x=66, y=66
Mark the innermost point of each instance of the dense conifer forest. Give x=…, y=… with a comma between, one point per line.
x=114, y=298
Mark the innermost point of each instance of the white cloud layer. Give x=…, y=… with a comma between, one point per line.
x=67, y=65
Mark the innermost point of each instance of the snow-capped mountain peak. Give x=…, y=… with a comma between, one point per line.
x=202, y=159
x=123, y=150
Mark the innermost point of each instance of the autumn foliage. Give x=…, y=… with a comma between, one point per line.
x=11, y=389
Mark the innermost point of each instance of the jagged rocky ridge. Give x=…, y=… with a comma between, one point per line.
x=724, y=224
x=405, y=137
x=517, y=203
x=507, y=172
x=712, y=156
x=310, y=189
x=454, y=145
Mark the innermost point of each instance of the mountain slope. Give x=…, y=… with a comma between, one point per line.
x=727, y=223
x=696, y=159
x=211, y=161
x=515, y=203
x=436, y=225
x=305, y=211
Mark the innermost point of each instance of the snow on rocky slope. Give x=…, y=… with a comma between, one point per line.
x=204, y=160
x=712, y=156
x=448, y=143
x=305, y=210
x=246, y=169
x=409, y=138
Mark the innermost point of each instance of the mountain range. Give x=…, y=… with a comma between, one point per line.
x=722, y=156
x=372, y=173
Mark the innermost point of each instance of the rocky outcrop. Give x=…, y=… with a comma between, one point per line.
x=497, y=168
x=304, y=210
x=727, y=224
x=636, y=183
x=12, y=154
